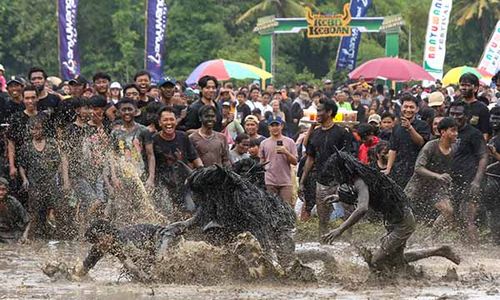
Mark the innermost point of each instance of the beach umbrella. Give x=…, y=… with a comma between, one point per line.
x=454, y=74
x=391, y=68
x=225, y=69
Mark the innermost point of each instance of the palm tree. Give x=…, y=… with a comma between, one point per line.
x=282, y=9
x=485, y=12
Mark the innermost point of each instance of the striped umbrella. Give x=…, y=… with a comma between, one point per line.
x=454, y=74
x=225, y=69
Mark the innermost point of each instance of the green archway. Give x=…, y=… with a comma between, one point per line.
x=269, y=26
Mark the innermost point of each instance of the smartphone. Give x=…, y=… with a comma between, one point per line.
x=279, y=143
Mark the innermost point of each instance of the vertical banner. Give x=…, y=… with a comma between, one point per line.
x=69, y=60
x=348, y=49
x=435, y=37
x=156, y=23
x=490, y=61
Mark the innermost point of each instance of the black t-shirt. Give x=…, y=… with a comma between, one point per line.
x=168, y=152
x=73, y=147
x=192, y=120
x=361, y=117
x=18, y=131
x=263, y=128
x=470, y=148
x=8, y=108
x=51, y=101
x=242, y=112
x=480, y=116
x=407, y=151
x=322, y=144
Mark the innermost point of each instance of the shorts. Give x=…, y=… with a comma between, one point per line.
x=394, y=241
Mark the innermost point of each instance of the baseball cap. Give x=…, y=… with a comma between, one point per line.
x=327, y=81
x=2, y=68
x=167, y=79
x=275, y=120
x=115, y=85
x=226, y=103
x=16, y=79
x=80, y=80
x=374, y=118
x=252, y=118
x=436, y=99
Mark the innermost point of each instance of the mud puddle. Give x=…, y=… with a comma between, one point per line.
x=478, y=277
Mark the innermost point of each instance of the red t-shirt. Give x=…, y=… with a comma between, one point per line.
x=365, y=148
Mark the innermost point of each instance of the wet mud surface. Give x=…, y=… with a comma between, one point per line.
x=478, y=277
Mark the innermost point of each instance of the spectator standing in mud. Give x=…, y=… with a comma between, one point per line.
x=133, y=152
x=490, y=196
x=171, y=146
x=39, y=164
x=211, y=145
x=72, y=146
x=208, y=85
x=479, y=114
x=280, y=152
x=407, y=139
x=468, y=166
x=432, y=171
x=321, y=144
x=18, y=132
x=14, y=218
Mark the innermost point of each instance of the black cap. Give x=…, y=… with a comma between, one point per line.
x=16, y=79
x=80, y=80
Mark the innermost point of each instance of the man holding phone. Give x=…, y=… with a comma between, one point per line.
x=407, y=138
x=280, y=153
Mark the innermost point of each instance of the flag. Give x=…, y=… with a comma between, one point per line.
x=156, y=24
x=435, y=37
x=490, y=61
x=69, y=60
x=348, y=49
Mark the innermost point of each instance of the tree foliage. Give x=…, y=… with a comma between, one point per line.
x=111, y=35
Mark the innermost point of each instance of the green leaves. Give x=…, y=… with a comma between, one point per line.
x=111, y=35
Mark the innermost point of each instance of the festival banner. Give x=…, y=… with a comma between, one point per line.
x=348, y=49
x=490, y=61
x=69, y=60
x=319, y=25
x=435, y=37
x=156, y=24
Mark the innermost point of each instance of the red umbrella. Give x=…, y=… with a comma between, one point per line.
x=391, y=68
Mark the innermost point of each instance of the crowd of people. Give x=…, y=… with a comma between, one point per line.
x=80, y=150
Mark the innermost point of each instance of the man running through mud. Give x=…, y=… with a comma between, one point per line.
x=137, y=247
x=366, y=188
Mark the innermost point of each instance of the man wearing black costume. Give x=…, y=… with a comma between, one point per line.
x=366, y=188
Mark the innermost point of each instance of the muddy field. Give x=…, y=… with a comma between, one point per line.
x=478, y=277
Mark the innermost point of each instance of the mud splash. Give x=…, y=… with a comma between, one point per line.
x=477, y=277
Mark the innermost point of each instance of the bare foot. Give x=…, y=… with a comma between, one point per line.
x=446, y=251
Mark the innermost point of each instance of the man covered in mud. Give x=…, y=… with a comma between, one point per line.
x=136, y=247
x=14, y=218
x=490, y=196
x=366, y=188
